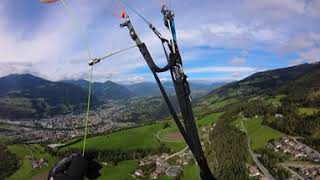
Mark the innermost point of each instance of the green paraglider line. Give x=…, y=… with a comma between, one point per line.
x=81, y=33
x=87, y=112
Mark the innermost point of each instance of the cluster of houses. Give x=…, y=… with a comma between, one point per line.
x=37, y=163
x=159, y=165
x=309, y=172
x=295, y=149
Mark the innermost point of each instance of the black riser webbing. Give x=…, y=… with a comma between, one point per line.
x=189, y=130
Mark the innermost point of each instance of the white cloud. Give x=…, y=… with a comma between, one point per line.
x=54, y=50
x=238, y=61
x=300, y=42
x=275, y=9
x=230, y=35
x=312, y=55
x=134, y=79
x=308, y=56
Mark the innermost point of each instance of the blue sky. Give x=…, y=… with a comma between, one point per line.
x=219, y=40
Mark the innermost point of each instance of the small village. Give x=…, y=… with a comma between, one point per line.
x=155, y=166
x=37, y=163
x=306, y=161
x=308, y=172
x=295, y=149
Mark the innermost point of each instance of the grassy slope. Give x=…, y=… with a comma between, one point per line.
x=26, y=171
x=276, y=100
x=140, y=137
x=210, y=119
x=4, y=139
x=221, y=103
x=308, y=110
x=260, y=134
x=191, y=172
x=119, y=172
x=7, y=126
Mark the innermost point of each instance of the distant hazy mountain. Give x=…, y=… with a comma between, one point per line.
x=152, y=89
x=104, y=91
x=144, y=89
x=26, y=96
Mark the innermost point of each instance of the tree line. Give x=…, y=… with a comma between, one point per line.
x=9, y=162
x=271, y=160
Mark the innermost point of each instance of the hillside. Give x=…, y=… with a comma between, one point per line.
x=104, y=91
x=272, y=81
x=28, y=96
x=266, y=106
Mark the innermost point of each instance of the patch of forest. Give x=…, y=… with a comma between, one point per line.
x=9, y=163
x=228, y=151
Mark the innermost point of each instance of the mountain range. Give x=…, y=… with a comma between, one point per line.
x=29, y=96
x=25, y=95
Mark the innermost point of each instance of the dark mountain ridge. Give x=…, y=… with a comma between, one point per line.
x=17, y=82
x=273, y=81
x=28, y=96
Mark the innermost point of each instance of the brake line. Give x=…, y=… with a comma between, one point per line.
x=136, y=12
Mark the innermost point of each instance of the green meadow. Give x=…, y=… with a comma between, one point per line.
x=128, y=139
x=209, y=120
x=308, y=110
x=121, y=171
x=26, y=171
x=260, y=134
